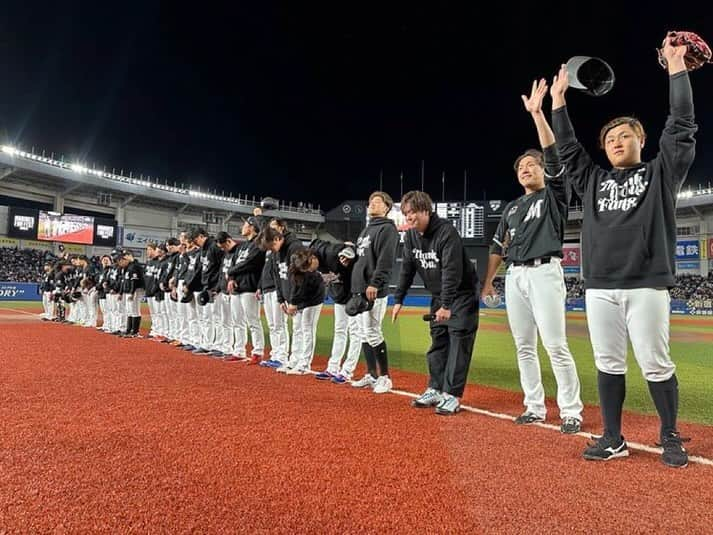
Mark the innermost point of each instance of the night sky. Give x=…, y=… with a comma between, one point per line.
x=310, y=102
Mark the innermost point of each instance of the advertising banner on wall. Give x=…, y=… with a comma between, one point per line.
x=688, y=250
x=19, y=291
x=139, y=238
x=571, y=254
x=9, y=242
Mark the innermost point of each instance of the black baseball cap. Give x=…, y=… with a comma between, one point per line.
x=254, y=222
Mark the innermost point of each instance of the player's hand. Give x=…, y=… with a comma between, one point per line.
x=395, y=312
x=442, y=314
x=533, y=103
x=675, y=55
x=488, y=289
x=371, y=292
x=291, y=310
x=560, y=83
x=231, y=286
x=283, y=307
x=258, y=295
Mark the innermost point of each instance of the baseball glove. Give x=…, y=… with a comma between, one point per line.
x=698, y=53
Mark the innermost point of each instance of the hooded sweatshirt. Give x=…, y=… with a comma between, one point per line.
x=376, y=253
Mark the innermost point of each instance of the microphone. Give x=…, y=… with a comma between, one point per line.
x=429, y=317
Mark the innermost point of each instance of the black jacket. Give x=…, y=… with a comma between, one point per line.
x=281, y=266
x=306, y=290
x=629, y=219
x=328, y=254
x=376, y=253
x=193, y=279
x=440, y=259
x=133, y=278
x=228, y=260
x=267, y=278
x=169, y=270
x=103, y=282
x=247, y=267
x=151, y=274
x=211, y=261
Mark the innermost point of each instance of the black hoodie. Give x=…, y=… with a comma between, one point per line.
x=133, y=277
x=307, y=290
x=169, y=270
x=629, y=221
x=228, y=260
x=281, y=266
x=376, y=252
x=328, y=255
x=440, y=259
x=247, y=267
x=151, y=273
x=211, y=261
x=193, y=280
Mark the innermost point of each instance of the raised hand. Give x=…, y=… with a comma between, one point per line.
x=533, y=104
x=560, y=82
x=674, y=55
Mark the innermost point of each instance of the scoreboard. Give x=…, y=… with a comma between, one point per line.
x=467, y=217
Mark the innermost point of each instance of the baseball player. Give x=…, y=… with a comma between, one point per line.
x=376, y=252
x=336, y=261
x=192, y=286
x=628, y=249
x=132, y=289
x=167, y=283
x=47, y=289
x=151, y=285
x=243, y=282
x=211, y=259
x=433, y=248
x=529, y=237
x=102, y=290
x=283, y=246
x=225, y=338
x=276, y=319
x=161, y=328
x=305, y=303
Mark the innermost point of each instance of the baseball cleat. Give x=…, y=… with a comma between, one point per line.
x=324, y=376
x=449, y=405
x=382, y=385
x=297, y=371
x=674, y=454
x=605, y=448
x=570, y=425
x=339, y=379
x=255, y=359
x=364, y=382
x=430, y=398
x=527, y=418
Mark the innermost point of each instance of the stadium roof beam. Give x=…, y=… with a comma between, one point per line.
x=229, y=217
x=128, y=200
x=70, y=189
x=182, y=209
x=6, y=172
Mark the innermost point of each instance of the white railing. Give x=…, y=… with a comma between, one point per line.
x=190, y=192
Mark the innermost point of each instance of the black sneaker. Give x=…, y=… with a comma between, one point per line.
x=674, y=454
x=528, y=418
x=570, y=425
x=606, y=448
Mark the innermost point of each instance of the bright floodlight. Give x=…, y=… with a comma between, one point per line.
x=9, y=150
x=78, y=168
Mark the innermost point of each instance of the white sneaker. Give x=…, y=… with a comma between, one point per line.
x=283, y=369
x=383, y=385
x=297, y=371
x=366, y=381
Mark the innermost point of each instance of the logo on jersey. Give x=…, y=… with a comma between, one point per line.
x=512, y=210
x=363, y=244
x=282, y=267
x=242, y=256
x=534, y=211
x=428, y=259
x=622, y=197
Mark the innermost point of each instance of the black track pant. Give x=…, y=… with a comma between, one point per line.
x=452, y=345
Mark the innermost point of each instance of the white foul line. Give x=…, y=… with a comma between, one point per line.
x=501, y=416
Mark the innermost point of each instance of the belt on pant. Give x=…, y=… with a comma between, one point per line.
x=534, y=261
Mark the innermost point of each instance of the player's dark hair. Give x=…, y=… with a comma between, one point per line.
x=533, y=153
x=388, y=201
x=633, y=122
x=267, y=236
x=280, y=223
x=151, y=245
x=222, y=237
x=299, y=264
x=197, y=232
x=172, y=242
x=418, y=201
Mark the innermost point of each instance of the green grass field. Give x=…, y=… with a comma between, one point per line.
x=494, y=362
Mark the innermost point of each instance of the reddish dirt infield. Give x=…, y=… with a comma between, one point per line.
x=112, y=435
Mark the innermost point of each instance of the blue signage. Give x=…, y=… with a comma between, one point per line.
x=688, y=250
x=19, y=291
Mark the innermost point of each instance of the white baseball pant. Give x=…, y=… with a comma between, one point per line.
x=345, y=328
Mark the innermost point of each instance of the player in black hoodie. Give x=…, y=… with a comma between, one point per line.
x=628, y=248
x=336, y=261
x=211, y=259
x=305, y=304
x=132, y=288
x=433, y=248
x=283, y=246
x=243, y=283
x=376, y=252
